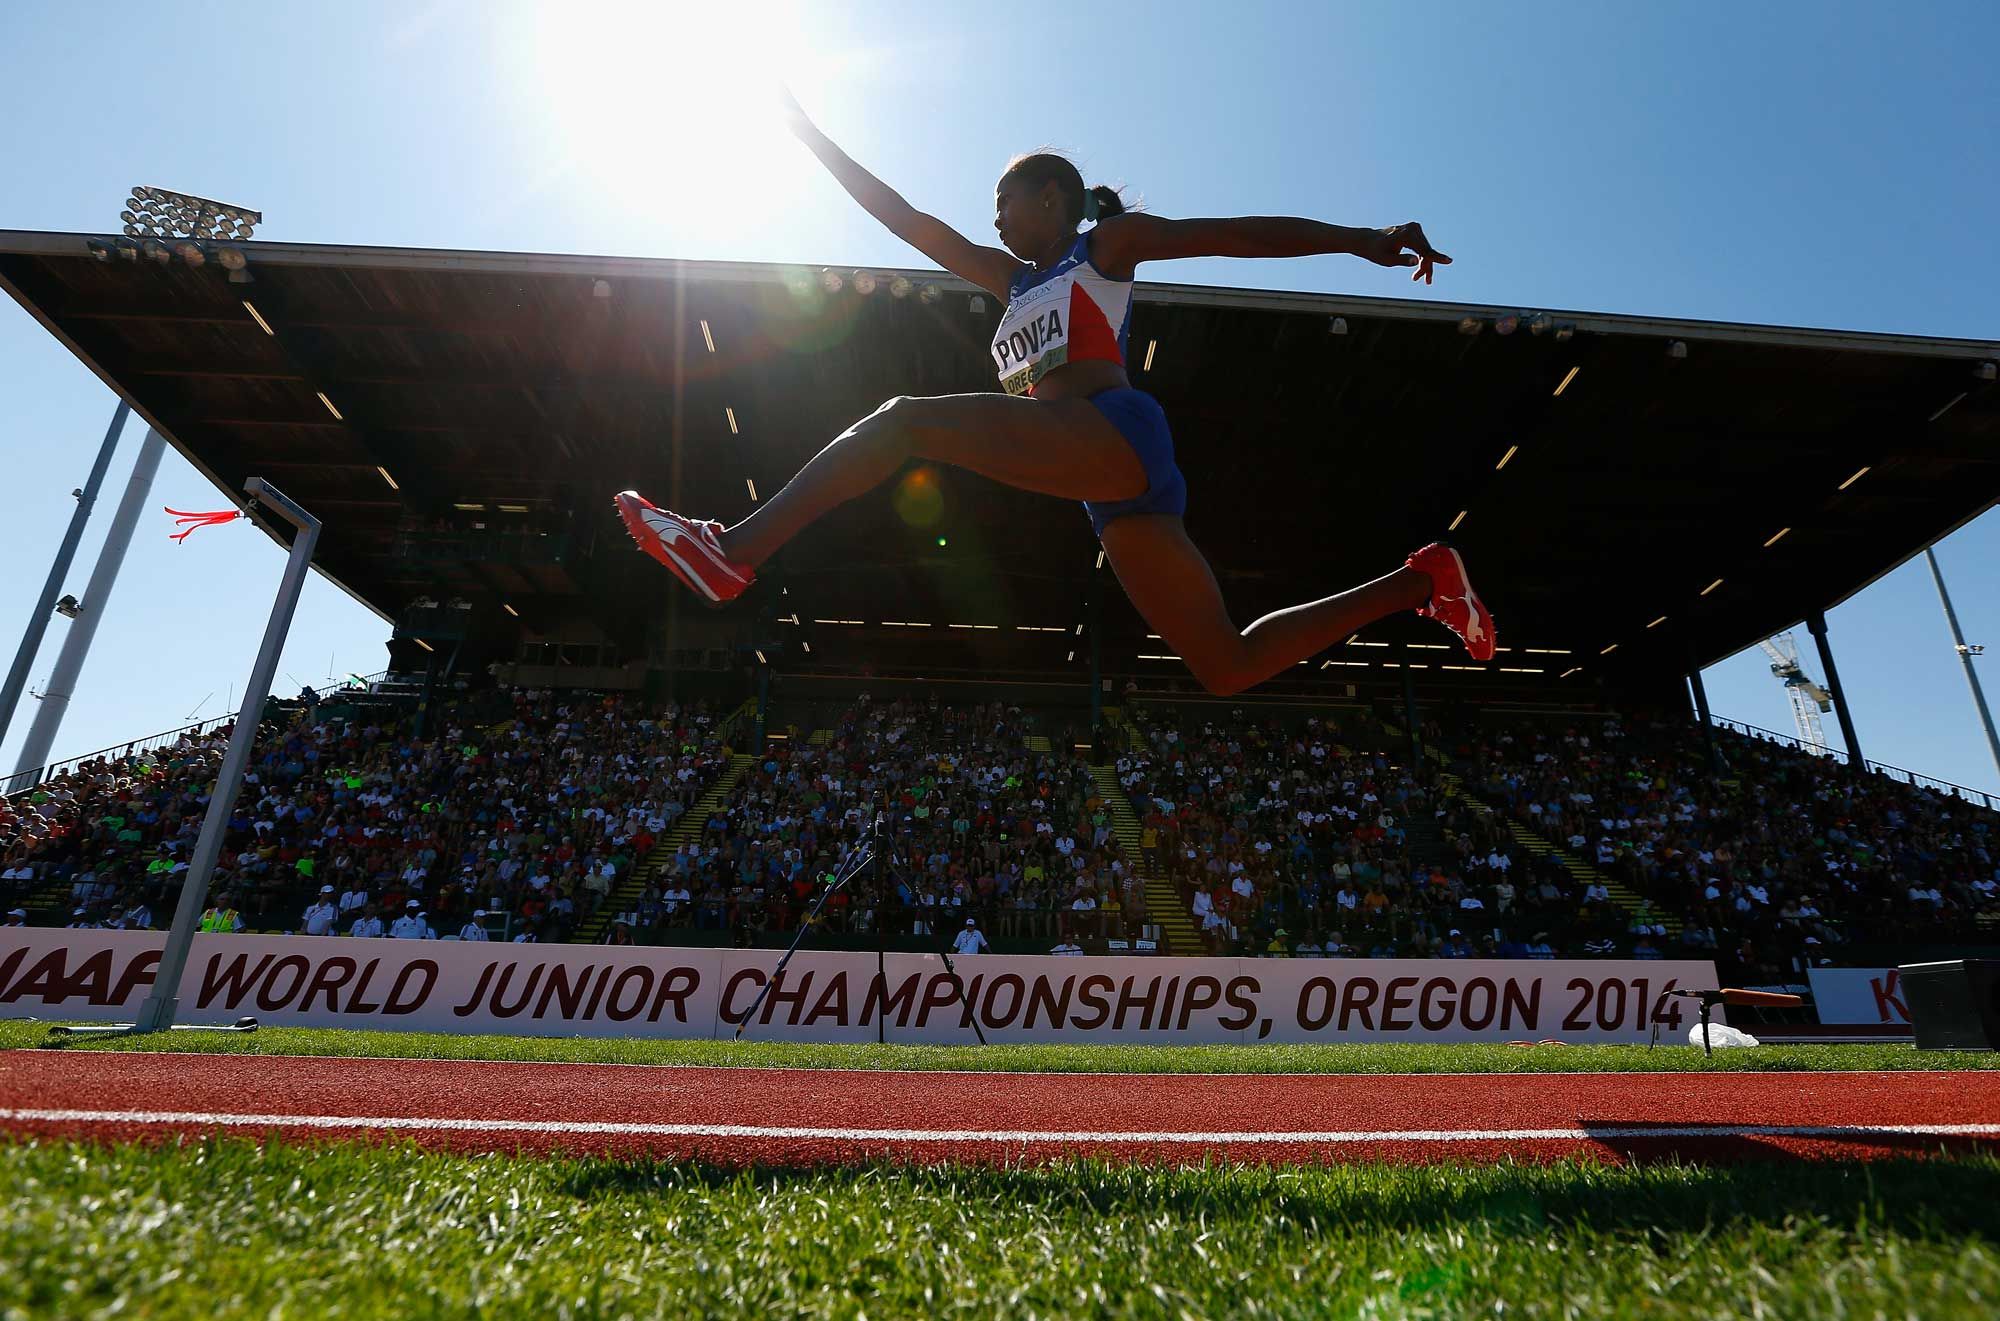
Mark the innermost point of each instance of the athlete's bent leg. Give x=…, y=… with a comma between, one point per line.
x=1169, y=581
x=1063, y=448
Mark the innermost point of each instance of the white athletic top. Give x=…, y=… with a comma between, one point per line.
x=1071, y=312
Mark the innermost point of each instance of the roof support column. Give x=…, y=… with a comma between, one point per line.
x=1700, y=691
x=1816, y=624
x=45, y=604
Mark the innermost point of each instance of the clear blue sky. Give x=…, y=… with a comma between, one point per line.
x=1812, y=164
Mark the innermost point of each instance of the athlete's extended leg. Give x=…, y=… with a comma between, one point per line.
x=1170, y=582
x=1058, y=447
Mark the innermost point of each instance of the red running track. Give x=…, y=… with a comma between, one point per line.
x=821, y=1116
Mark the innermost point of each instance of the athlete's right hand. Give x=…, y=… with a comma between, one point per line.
x=1404, y=245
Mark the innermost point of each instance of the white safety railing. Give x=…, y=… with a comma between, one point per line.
x=1921, y=781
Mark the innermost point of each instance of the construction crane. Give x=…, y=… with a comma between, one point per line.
x=1808, y=698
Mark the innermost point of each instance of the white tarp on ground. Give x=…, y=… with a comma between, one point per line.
x=1859, y=995
x=584, y=990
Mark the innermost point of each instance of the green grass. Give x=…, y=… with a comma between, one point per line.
x=1001, y=1059
x=228, y=1229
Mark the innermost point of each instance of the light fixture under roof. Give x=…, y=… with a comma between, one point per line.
x=730, y=413
x=753, y=487
x=1512, y=450
x=1456, y=521
x=258, y=317
x=1151, y=346
x=1657, y=622
x=387, y=478
x=1608, y=650
x=1777, y=537
x=510, y=609
x=1566, y=380
x=329, y=406
x=707, y=338
x=1711, y=587
x=1852, y=480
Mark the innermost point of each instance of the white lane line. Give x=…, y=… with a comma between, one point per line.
x=405, y=1123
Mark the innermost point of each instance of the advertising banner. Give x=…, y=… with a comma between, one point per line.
x=1859, y=995
x=585, y=990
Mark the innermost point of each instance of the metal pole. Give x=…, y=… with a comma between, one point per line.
x=763, y=703
x=1410, y=716
x=1096, y=687
x=96, y=598
x=1965, y=659
x=38, y=621
x=1816, y=624
x=157, y=1014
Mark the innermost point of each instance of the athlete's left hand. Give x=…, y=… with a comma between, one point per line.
x=1404, y=245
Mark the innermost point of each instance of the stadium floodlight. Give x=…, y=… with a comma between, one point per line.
x=99, y=249
x=1470, y=325
x=864, y=282
x=156, y=251
x=900, y=286
x=829, y=280
x=190, y=252
x=164, y=214
x=1338, y=326
x=1677, y=348
x=929, y=294
x=1506, y=325
x=1986, y=371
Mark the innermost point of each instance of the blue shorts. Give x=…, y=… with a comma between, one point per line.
x=1140, y=419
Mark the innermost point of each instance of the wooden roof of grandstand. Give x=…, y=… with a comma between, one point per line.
x=460, y=420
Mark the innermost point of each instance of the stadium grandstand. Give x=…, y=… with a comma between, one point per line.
x=561, y=749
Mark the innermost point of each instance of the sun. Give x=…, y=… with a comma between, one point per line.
x=671, y=108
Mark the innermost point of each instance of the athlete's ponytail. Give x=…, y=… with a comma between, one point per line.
x=1079, y=204
x=1102, y=202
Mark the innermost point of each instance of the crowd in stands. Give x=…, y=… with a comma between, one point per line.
x=532, y=816
x=979, y=828
x=1309, y=837
x=1765, y=856
x=1317, y=835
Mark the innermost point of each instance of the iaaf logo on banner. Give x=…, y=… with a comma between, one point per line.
x=582, y=990
x=1859, y=995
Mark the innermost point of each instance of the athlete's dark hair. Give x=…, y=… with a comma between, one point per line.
x=1039, y=167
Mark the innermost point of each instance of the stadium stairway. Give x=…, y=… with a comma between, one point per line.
x=1635, y=906
x=625, y=896
x=1164, y=908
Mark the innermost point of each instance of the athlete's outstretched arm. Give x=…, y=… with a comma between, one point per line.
x=992, y=269
x=1123, y=241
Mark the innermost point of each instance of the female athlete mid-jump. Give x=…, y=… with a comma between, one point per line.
x=1070, y=424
